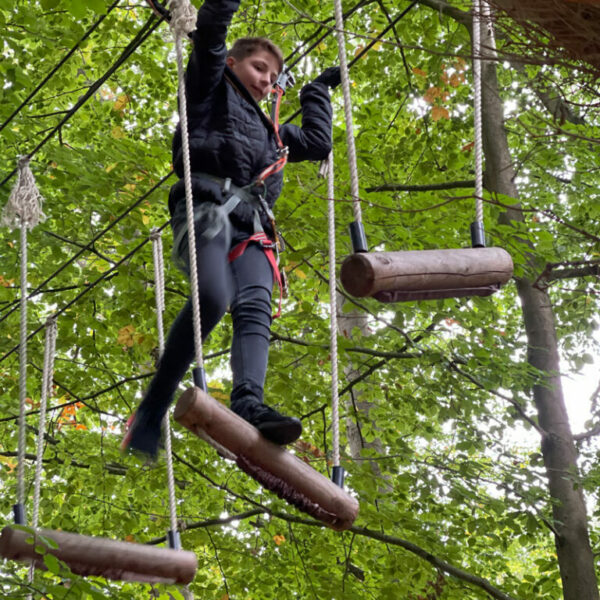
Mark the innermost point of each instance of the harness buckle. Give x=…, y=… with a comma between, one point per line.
x=284, y=151
x=226, y=185
x=267, y=243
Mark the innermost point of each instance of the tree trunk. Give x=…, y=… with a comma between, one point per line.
x=575, y=557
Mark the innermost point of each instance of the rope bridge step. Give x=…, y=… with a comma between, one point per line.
x=426, y=274
x=271, y=465
x=112, y=559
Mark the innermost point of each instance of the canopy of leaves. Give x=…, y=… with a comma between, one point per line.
x=454, y=503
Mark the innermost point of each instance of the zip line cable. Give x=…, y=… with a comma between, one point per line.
x=58, y=65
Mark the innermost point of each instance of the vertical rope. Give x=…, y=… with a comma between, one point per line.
x=22, y=369
x=22, y=210
x=159, y=278
x=335, y=413
x=345, y=77
x=180, y=23
x=47, y=374
x=477, y=110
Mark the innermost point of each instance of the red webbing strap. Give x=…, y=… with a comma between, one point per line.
x=281, y=161
x=267, y=246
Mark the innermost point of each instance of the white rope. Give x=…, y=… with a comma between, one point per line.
x=159, y=286
x=335, y=413
x=22, y=370
x=23, y=210
x=47, y=374
x=183, y=18
x=345, y=77
x=477, y=110
x=159, y=278
x=187, y=179
x=221, y=450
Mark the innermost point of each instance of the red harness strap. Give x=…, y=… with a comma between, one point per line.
x=267, y=246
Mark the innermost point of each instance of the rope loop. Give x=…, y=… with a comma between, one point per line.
x=24, y=206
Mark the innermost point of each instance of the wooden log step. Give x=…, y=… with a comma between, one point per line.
x=421, y=274
x=287, y=475
x=112, y=559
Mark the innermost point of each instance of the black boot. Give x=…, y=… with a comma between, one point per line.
x=143, y=434
x=273, y=426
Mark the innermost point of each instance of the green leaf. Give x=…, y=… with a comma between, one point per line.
x=52, y=563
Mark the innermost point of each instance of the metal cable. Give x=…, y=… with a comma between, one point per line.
x=90, y=287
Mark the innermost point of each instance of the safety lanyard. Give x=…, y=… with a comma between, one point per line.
x=276, y=95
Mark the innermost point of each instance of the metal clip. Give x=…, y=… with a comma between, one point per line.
x=226, y=185
x=280, y=242
x=285, y=80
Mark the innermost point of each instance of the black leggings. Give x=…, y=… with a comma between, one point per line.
x=245, y=285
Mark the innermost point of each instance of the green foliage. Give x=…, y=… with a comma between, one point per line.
x=446, y=461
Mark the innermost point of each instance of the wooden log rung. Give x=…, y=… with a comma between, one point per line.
x=324, y=500
x=426, y=274
x=111, y=559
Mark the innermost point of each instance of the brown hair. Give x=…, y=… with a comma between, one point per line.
x=244, y=47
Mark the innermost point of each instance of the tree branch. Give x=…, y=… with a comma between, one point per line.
x=359, y=350
x=432, y=187
x=438, y=563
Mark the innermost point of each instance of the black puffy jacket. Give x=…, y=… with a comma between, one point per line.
x=229, y=134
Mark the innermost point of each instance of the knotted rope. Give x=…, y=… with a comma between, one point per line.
x=22, y=210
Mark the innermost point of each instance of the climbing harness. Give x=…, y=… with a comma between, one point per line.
x=216, y=217
x=427, y=274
